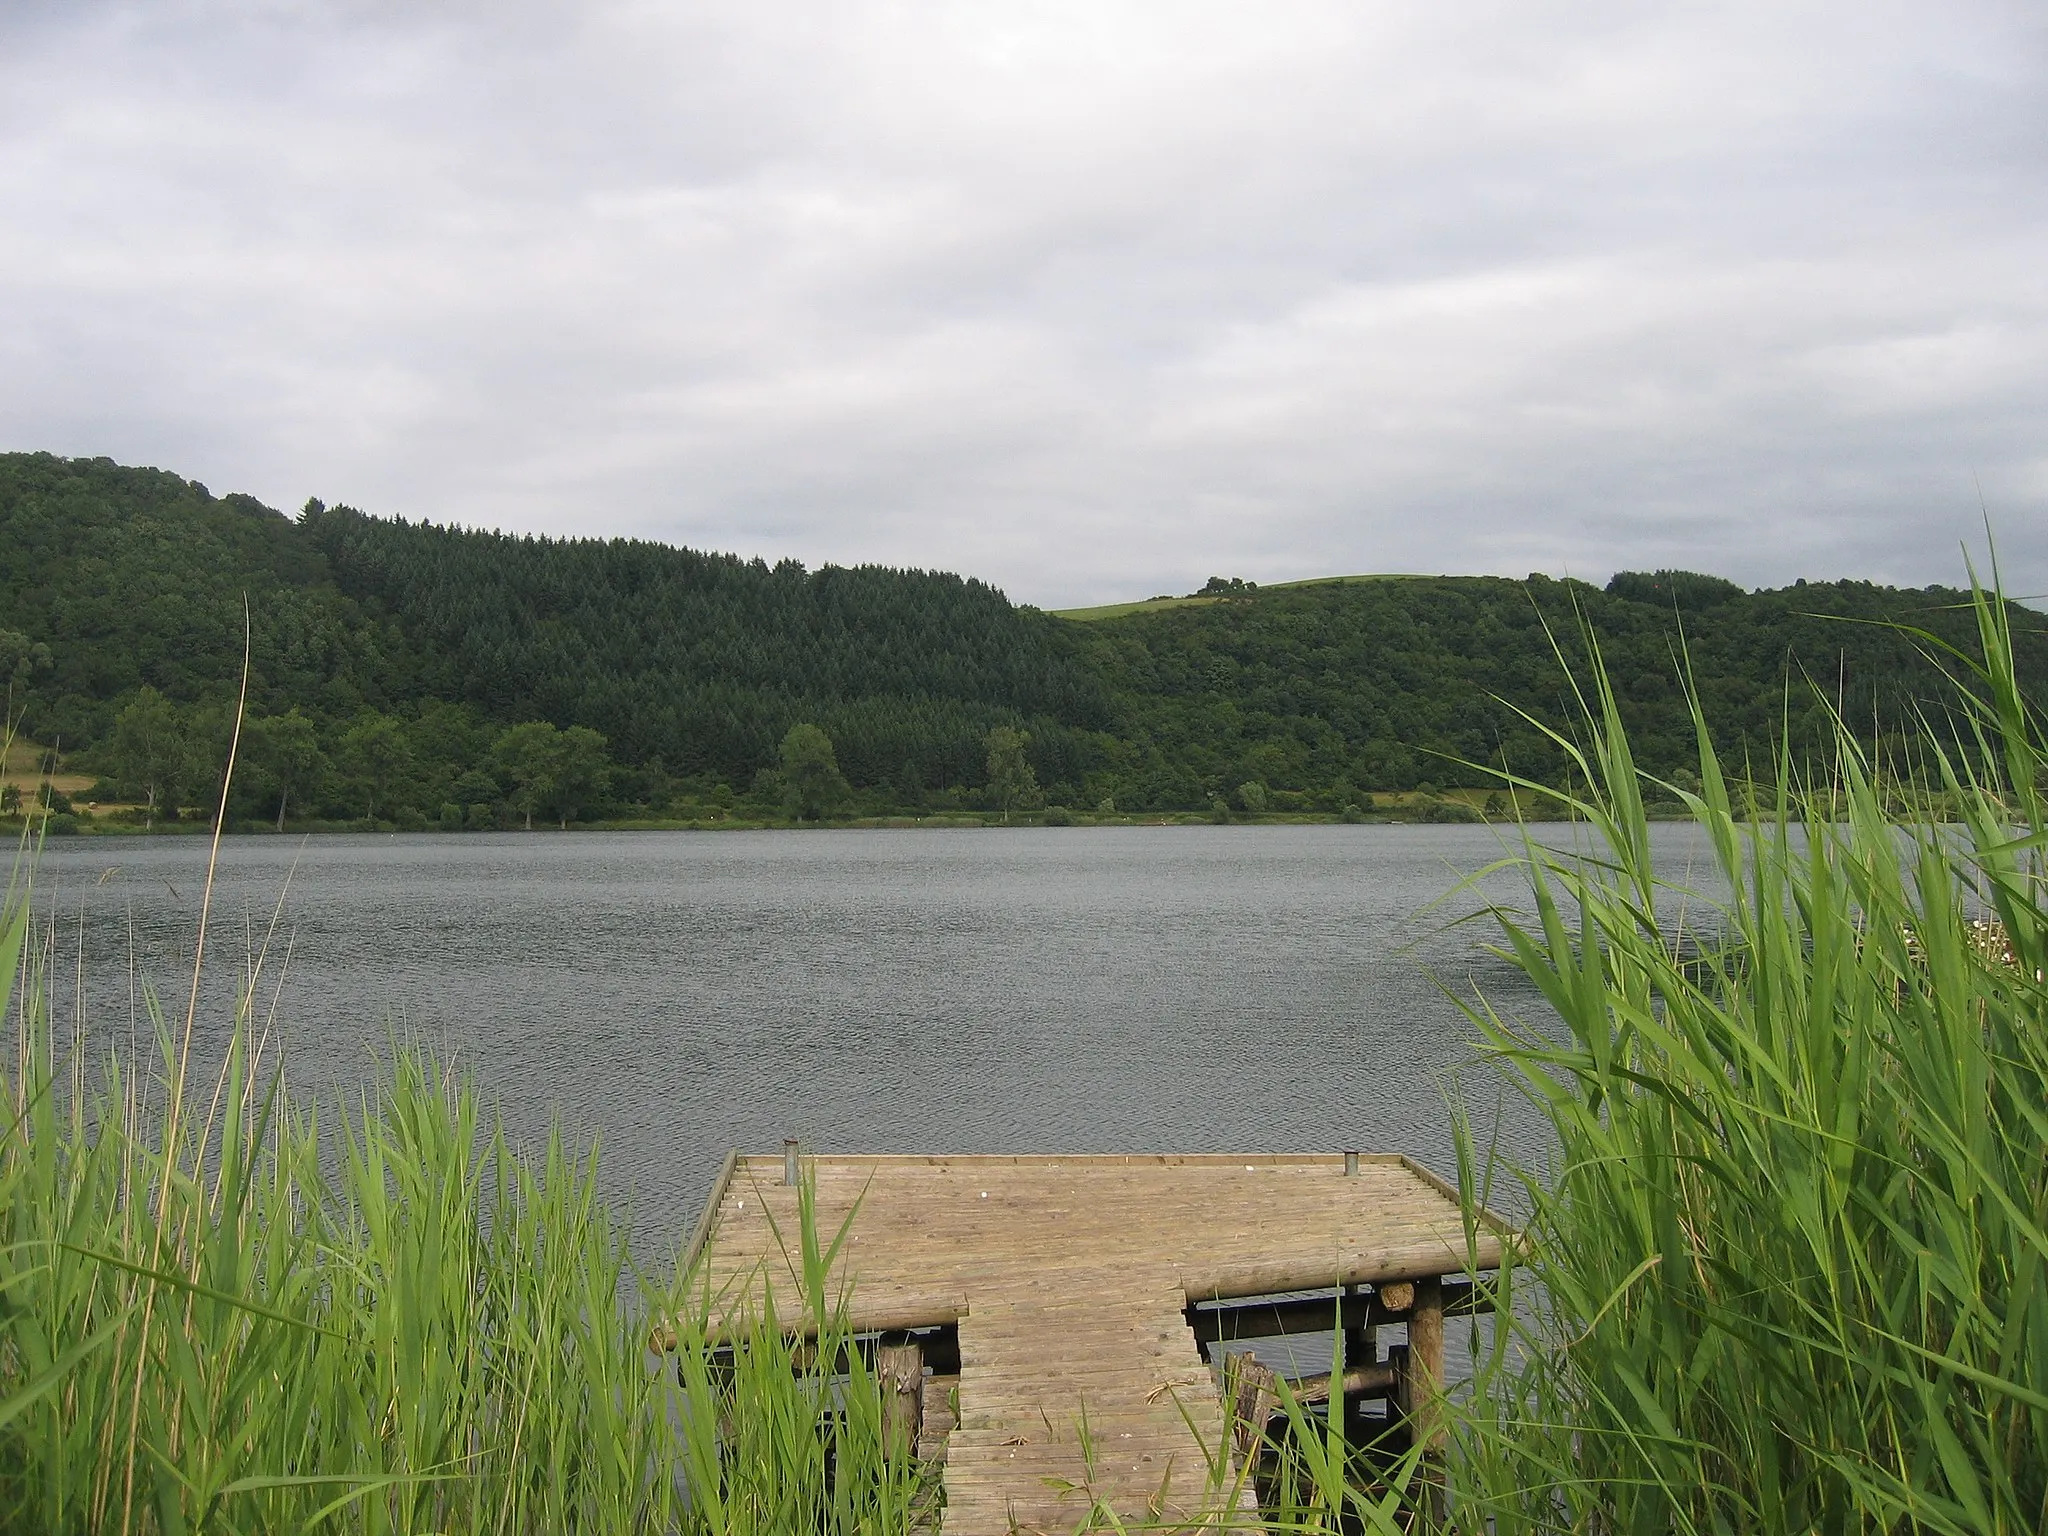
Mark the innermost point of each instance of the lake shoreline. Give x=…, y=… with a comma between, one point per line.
x=97, y=827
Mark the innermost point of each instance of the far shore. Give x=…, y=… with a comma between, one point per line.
x=89, y=825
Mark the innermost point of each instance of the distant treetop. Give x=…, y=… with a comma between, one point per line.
x=1673, y=589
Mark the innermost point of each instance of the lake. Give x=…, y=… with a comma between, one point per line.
x=679, y=994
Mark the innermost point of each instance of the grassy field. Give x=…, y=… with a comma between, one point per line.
x=1160, y=604
x=26, y=764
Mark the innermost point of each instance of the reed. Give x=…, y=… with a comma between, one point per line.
x=1786, y=1270
x=246, y=1319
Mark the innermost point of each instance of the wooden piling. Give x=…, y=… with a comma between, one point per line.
x=1251, y=1396
x=899, y=1370
x=1424, y=1381
x=1361, y=1347
x=1419, y=1393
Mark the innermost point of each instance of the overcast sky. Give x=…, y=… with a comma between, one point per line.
x=1092, y=300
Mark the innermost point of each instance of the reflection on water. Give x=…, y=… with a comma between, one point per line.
x=678, y=994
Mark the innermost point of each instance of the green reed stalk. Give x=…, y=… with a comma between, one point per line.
x=441, y=1334
x=1788, y=1270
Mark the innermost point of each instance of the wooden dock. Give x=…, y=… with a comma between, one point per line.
x=1078, y=1289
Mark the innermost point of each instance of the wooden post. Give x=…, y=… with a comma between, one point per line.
x=789, y=1160
x=1360, y=1349
x=1420, y=1381
x=1358, y=1331
x=899, y=1370
x=1249, y=1395
x=1426, y=1362
x=1350, y=1165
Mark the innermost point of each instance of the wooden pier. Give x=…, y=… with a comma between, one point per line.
x=1084, y=1290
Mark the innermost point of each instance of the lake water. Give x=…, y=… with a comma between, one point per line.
x=677, y=994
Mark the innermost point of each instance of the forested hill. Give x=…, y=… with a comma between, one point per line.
x=407, y=674
x=690, y=664
x=1346, y=687
x=704, y=661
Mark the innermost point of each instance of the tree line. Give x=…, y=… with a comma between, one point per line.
x=444, y=767
x=440, y=766
x=1321, y=694
x=411, y=674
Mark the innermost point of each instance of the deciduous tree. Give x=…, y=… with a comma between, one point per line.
x=527, y=757
x=152, y=750
x=374, y=758
x=20, y=659
x=580, y=774
x=1010, y=778
x=812, y=784
x=283, y=751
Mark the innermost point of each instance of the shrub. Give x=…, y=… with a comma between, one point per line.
x=1434, y=810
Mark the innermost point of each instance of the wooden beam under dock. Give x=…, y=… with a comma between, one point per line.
x=1293, y=1316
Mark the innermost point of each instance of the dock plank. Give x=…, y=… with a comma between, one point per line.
x=1063, y=1407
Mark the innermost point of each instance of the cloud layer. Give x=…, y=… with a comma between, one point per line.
x=1094, y=300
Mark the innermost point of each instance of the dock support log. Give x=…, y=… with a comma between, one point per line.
x=1419, y=1387
x=1360, y=1382
x=1423, y=1379
x=1360, y=1349
x=899, y=1371
x=1250, y=1396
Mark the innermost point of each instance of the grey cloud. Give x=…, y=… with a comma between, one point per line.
x=1092, y=300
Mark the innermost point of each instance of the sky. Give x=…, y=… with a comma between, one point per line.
x=1091, y=300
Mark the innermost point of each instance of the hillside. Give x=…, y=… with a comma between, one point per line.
x=392, y=662
x=1340, y=687
x=408, y=649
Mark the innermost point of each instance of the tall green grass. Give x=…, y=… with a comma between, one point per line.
x=219, y=1312
x=1788, y=1270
